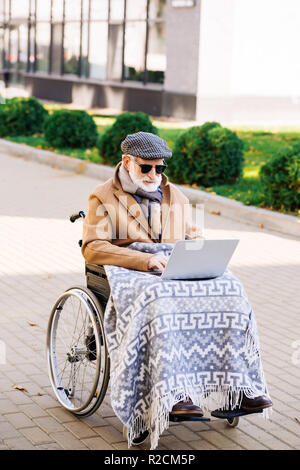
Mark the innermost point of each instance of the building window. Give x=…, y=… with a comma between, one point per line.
x=57, y=9
x=23, y=47
x=43, y=31
x=115, y=52
x=156, y=53
x=100, y=39
x=72, y=33
x=43, y=10
x=98, y=49
x=117, y=10
x=72, y=10
x=98, y=10
x=19, y=10
x=134, y=57
x=56, y=47
x=144, y=48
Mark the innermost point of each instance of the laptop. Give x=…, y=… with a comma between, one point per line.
x=198, y=259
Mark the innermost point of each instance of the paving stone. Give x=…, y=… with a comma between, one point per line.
x=219, y=440
x=33, y=410
x=7, y=430
x=7, y=406
x=36, y=435
x=68, y=441
x=19, y=420
x=44, y=401
x=201, y=444
x=183, y=433
x=50, y=446
x=62, y=415
x=18, y=398
x=109, y=434
x=97, y=443
x=173, y=443
x=49, y=424
x=80, y=429
x=19, y=443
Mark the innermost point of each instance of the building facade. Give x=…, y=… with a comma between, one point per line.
x=226, y=60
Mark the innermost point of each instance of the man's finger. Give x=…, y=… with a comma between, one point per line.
x=161, y=266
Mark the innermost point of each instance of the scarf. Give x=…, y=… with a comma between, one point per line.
x=149, y=201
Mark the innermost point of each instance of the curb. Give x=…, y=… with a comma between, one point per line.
x=235, y=210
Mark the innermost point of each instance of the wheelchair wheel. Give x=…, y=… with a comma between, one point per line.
x=233, y=422
x=78, y=360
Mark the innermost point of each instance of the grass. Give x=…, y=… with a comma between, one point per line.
x=259, y=146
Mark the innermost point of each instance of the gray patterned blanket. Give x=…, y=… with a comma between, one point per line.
x=173, y=339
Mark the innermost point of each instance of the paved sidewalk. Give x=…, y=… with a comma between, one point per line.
x=40, y=258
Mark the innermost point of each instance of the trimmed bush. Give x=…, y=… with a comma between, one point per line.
x=109, y=144
x=22, y=116
x=207, y=155
x=70, y=128
x=280, y=178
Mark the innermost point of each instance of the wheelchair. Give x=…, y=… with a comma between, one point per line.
x=78, y=359
x=77, y=355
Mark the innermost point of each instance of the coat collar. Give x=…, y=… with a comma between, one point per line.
x=130, y=203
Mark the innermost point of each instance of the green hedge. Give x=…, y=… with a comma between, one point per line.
x=70, y=128
x=280, y=178
x=109, y=144
x=207, y=155
x=21, y=116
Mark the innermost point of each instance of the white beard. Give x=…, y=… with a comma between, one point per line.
x=140, y=181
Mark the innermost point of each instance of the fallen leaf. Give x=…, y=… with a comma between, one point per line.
x=297, y=419
x=21, y=388
x=40, y=394
x=31, y=323
x=261, y=226
x=215, y=212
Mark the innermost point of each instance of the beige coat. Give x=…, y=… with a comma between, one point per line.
x=115, y=219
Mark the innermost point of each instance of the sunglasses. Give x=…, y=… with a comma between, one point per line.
x=159, y=169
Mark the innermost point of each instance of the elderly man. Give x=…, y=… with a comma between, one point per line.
x=151, y=203
x=139, y=204
x=138, y=185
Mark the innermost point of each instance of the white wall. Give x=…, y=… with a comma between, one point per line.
x=249, y=48
x=216, y=46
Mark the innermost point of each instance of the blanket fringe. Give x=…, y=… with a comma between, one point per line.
x=156, y=420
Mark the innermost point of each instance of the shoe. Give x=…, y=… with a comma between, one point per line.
x=255, y=404
x=186, y=408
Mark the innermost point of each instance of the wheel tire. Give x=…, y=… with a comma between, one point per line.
x=91, y=315
x=233, y=422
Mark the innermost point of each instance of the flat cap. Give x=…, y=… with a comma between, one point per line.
x=145, y=145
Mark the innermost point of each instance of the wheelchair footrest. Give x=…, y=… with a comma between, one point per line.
x=180, y=418
x=229, y=414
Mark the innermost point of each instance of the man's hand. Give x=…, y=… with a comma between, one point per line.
x=157, y=262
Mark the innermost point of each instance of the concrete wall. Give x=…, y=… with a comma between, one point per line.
x=182, y=46
x=249, y=67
